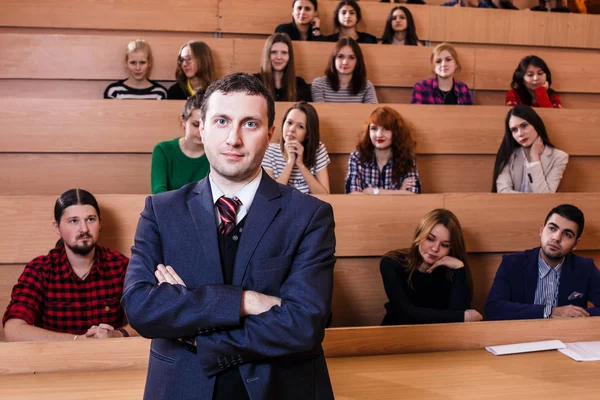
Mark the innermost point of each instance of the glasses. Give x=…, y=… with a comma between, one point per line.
x=182, y=61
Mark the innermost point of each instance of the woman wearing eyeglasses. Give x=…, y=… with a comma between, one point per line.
x=195, y=71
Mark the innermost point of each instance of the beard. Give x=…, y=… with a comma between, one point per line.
x=83, y=249
x=554, y=254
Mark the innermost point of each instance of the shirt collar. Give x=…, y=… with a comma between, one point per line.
x=374, y=161
x=245, y=194
x=544, y=269
x=66, y=270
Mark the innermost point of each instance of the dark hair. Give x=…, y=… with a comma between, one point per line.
x=70, y=198
x=288, y=81
x=336, y=13
x=571, y=213
x=240, y=82
x=193, y=103
x=509, y=144
x=312, y=139
x=411, y=38
x=403, y=145
x=359, y=75
x=517, y=80
x=314, y=3
x=206, y=66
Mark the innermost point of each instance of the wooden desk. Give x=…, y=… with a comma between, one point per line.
x=474, y=374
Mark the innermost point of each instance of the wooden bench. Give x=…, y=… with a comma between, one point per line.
x=66, y=73
x=461, y=25
x=456, y=146
x=365, y=229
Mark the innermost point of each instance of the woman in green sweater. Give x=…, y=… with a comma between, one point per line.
x=180, y=161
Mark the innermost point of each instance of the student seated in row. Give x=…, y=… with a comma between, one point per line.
x=400, y=28
x=300, y=159
x=73, y=292
x=278, y=72
x=527, y=161
x=444, y=88
x=384, y=162
x=467, y=3
x=552, y=6
x=548, y=281
x=305, y=23
x=195, y=71
x=430, y=281
x=531, y=85
x=346, y=17
x=138, y=86
x=345, y=79
x=180, y=161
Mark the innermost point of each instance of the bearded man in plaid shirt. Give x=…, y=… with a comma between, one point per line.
x=73, y=292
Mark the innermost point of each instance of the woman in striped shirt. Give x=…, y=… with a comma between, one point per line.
x=299, y=159
x=345, y=79
x=138, y=62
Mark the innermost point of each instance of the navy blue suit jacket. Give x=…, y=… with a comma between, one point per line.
x=513, y=292
x=286, y=250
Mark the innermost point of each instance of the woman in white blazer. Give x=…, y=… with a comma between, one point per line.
x=527, y=162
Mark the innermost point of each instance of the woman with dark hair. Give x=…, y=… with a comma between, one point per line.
x=306, y=24
x=138, y=86
x=278, y=72
x=552, y=6
x=527, y=162
x=444, y=88
x=400, y=28
x=345, y=79
x=531, y=85
x=300, y=159
x=346, y=17
x=403, y=1
x=384, y=160
x=430, y=282
x=180, y=161
x=195, y=71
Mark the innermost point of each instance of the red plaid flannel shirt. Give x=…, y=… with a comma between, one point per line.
x=51, y=296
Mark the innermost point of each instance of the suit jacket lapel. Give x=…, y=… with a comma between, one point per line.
x=531, y=275
x=566, y=278
x=259, y=217
x=202, y=211
x=518, y=167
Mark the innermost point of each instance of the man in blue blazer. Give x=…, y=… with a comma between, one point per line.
x=548, y=281
x=232, y=276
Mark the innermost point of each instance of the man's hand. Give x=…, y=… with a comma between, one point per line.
x=254, y=303
x=102, y=331
x=167, y=275
x=569, y=311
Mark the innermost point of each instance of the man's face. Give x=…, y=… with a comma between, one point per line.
x=79, y=228
x=558, y=237
x=235, y=134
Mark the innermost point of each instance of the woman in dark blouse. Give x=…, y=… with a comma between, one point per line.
x=430, y=282
x=278, y=72
x=346, y=17
x=305, y=24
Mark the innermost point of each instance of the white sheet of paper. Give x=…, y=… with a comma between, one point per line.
x=525, y=347
x=582, y=351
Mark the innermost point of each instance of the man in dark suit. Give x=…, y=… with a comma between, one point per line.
x=548, y=281
x=232, y=276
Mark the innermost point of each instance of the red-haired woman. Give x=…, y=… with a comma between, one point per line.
x=384, y=162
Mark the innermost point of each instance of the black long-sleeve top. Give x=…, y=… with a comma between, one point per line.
x=432, y=299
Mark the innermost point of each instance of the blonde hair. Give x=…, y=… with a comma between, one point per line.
x=140, y=45
x=441, y=47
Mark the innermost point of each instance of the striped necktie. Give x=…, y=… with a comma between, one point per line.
x=227, y=209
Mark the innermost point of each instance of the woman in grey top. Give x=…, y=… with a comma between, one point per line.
x=345, y=79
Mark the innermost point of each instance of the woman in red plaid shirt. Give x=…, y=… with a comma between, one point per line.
x=444, y=88
x=73, y=292
x=531, y=85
